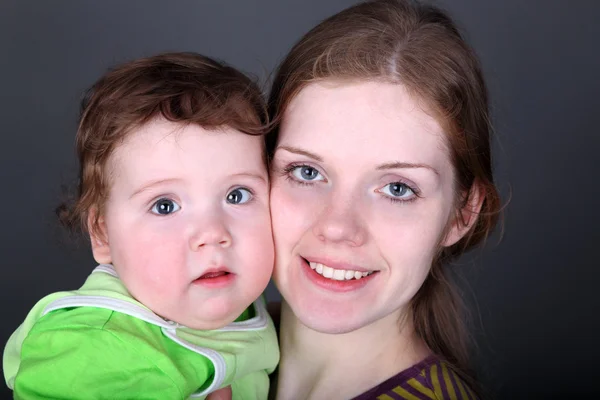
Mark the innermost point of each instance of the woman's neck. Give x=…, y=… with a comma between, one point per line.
x=317, y=365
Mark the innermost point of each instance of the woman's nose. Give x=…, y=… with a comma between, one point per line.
x=340, y=223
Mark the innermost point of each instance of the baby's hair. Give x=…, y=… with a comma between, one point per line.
x=418, y=46
x=186, y=88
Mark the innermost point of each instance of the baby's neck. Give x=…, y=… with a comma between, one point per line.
x=325, y=366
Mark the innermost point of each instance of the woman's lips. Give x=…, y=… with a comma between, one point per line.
x=335, y=283
x=336, y=264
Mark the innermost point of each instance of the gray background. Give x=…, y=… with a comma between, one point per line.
x=533, y=295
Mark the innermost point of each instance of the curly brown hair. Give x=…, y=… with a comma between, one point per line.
x=185, y=88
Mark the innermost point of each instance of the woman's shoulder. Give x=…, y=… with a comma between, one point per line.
x=431, y=378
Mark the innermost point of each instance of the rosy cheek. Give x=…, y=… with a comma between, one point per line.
x=293, y=209
x=147, y=254
x=160, y=282
x=263, y=255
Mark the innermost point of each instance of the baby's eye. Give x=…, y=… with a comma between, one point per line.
x=165, y=207
x=306, y=173
x=398, y=190
x=239, y=196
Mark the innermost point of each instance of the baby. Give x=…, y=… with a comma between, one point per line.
x=173, y=193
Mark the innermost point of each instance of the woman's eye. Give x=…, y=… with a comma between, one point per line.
x=398, y=190
x=165, y=207
x=239, y=196
x=306, y=173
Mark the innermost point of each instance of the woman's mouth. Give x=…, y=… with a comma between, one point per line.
x=341, y=279
x=338, y=274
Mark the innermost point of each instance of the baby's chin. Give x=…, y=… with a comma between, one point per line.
x=215, y=319
x=206, y=325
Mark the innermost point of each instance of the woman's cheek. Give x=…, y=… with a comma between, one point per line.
x=295, y=206
x=408, y=230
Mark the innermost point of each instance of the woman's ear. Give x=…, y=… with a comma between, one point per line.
x=466, y=217
x=98, y=237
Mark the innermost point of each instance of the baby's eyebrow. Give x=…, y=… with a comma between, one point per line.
x=151, y=184
x=252, y=175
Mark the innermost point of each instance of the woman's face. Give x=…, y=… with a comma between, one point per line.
x=362, y=191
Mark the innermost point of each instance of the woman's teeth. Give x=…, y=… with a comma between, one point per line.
x=337, y=274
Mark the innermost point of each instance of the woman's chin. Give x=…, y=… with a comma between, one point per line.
x=329, y=318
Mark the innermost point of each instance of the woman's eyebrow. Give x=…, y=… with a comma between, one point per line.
x=398, y=164
x=300, y=151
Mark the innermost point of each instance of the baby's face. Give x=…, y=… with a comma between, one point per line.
x=187, y=222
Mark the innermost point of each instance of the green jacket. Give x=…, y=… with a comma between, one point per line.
x=99, y=343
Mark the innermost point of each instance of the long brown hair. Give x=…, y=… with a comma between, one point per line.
x=419, y=46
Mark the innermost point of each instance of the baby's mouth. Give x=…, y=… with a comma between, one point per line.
x=215, y=278
x=214, y=274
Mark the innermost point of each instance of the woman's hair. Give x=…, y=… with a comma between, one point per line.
x=418, y=46
x=185, y=88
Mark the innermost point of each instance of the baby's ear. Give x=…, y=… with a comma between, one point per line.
x=466, y=217
x=99, y=237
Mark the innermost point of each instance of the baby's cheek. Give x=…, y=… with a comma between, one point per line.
x=151, y=270
x=260, y=257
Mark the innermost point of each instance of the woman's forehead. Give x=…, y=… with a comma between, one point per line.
x=361, y=118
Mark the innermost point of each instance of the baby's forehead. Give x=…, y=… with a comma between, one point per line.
x=160, y=132
x=162, y=145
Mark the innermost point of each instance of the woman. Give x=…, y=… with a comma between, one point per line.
x=381, y=175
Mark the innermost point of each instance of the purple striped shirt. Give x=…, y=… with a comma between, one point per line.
x=432, y=378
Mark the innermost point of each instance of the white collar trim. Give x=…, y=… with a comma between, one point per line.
x=258, y=322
